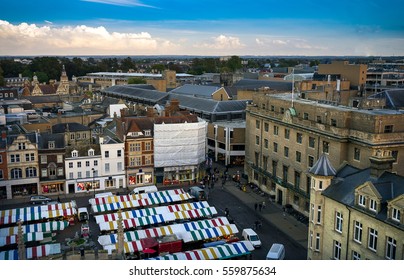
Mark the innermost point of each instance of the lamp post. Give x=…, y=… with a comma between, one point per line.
x=93, y=181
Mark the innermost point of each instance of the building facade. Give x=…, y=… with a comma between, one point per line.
x=356, y=214
x=286, y=135
x=51, y=153
x=137, y=134
x=179, y=148
x=22, y=165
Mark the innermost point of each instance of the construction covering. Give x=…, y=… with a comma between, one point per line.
x=179, y=144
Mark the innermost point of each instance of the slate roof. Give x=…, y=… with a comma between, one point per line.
x=250, y=84
x=323, y=167
x=44, y=138
x=134, y=92
x=32, y=137
x=196, y=90
x=342, y=188
x=72, y=127
x=394, y=98
x=209, y=106
x=38, y=99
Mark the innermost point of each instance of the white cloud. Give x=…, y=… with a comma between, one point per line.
x=30, y=39
x=127, y=3
x=223, y=42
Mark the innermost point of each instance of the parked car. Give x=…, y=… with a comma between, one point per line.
x=277, y=252
x=250, y=235
x=41, y=199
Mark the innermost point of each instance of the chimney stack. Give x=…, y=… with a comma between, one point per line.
x=381, y=161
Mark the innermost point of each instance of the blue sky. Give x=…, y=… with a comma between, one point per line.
x=204, y=27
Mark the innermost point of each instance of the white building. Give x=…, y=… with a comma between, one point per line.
x=179, y=147
x=112, y=174
x=83, y=169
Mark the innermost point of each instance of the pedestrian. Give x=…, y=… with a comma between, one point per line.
x=263, y=205
x=223, y=181
x=256, y=224
x=59, y=199
x=255, y=206
x=260, y=207
x=226, y=212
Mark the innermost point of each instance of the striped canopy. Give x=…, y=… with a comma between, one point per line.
x=219, y=252
x=36, y=213
x=12, y=239
x=33, y=252
x=208, y=233
x=40, y=227
x=177, y=229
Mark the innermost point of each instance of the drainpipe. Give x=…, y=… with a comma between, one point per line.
x=347, y=237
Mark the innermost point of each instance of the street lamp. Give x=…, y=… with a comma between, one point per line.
x=93, y=181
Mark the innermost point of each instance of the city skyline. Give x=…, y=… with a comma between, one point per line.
x=205, y=28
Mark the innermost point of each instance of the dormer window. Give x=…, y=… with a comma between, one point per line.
x=75, y=153
x=91, y=152
x=362, y=200
x=373, y=205
x=396, y=214
x=51, y=144
x=147, y=132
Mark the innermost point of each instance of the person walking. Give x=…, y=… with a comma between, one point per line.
x=226, y=212
x=260, y=207
x=256, y=206
x=263, y=205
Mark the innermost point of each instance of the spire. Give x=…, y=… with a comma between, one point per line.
x=323, y=167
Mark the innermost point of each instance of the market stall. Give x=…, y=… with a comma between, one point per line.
x=226, y=251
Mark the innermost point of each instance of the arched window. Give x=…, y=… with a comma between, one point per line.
x=52, y=170
x=16, y=173
x=30, y=172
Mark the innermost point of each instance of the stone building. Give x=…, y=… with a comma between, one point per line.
x=285, y=136
x=356, y=214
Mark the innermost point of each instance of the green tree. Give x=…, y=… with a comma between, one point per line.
x=234, y=63
x=42, y=77
x=127, y=63
x=158, y=67
x=136, y=80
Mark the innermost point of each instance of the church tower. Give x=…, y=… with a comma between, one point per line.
x=321, y=175
x=63, y=87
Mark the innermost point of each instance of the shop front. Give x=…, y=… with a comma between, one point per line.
x=86, y=186
x=3, y=192
x=24, y=190
x=180, y=175
x=52, y=187
x=140, y=178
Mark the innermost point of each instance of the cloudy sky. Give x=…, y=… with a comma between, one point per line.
x=202, y=27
